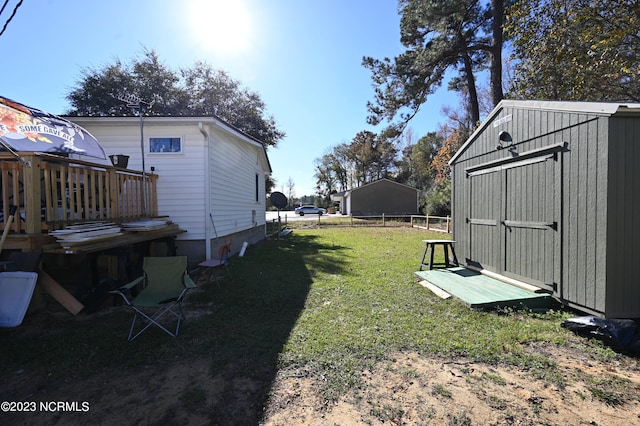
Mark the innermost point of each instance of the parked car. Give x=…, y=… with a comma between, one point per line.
x=310, y=210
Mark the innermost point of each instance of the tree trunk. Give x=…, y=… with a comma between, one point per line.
x=496, y=52
x=473, y=93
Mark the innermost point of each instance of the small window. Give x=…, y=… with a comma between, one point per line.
x=257, y=188
x=166, y=145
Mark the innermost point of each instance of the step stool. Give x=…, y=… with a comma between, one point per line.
x=430, y=247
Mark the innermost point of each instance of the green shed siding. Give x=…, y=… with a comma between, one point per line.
x=484, y=207
x=531, y=206
x=558, y=209
x=623, y=230
x=584, y=197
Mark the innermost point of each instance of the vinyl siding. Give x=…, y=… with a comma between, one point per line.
x=223, y=159
x=232, y=181
x=180, y=175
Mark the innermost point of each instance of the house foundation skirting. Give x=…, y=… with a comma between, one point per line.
x=195, y=250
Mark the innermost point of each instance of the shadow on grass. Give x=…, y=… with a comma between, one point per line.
x=229, y=346
x=254, y=315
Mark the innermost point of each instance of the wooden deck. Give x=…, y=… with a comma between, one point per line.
x=52, y=192
x=482, y=292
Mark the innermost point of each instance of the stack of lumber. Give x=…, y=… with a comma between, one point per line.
x=86, y=233
x=146, y=225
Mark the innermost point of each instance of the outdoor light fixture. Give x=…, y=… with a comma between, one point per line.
x=504, y=137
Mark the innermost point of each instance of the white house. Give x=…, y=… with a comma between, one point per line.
x=211, y=176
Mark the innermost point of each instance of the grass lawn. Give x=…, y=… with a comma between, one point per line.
x=363, y=304
x=326, y=303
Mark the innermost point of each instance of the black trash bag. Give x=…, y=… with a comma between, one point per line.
x=622, y=335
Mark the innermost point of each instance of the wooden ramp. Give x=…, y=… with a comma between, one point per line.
x=482, y=292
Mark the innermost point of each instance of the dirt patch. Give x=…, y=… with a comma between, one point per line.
x=416, y=390
x=409, y=389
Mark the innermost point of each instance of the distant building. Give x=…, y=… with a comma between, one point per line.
x=375, y=198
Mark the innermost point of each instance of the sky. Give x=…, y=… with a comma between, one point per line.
x=303, y=57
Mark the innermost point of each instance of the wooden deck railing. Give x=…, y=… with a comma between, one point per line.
x=52, y=192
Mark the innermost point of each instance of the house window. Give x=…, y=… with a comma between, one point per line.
x=168, y=145
x=257, y=188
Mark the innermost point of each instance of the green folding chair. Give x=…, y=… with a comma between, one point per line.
x=165, y=283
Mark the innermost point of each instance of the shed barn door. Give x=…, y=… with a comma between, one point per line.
x=531, y=221
x=483, y=219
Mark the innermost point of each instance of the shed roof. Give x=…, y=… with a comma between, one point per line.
x=379, y=181
x=599, y=108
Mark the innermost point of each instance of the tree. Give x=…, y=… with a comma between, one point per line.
x=438, y=199
x=269, y=184
x=575, y=49
x=98, y=90
x=290, y=191
x=326, y=175
x=334, y=171
x=213, y=92
x=385, y=161
x=422, y=157
x=328, y=169
x=341, y=167
x=452, y=142
x=465, y=35
x=368, y=157
x=372, y=157
x=404, y=168
x=196, y=91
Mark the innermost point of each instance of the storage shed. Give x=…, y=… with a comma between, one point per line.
x=549, y=193
x=382, y=196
